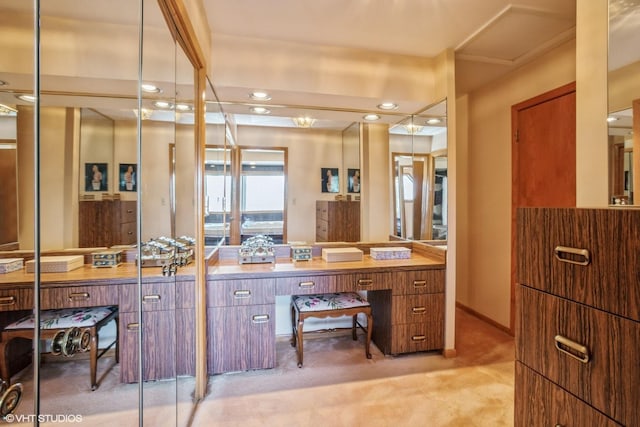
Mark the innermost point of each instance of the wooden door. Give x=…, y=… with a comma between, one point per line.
x=543, y=157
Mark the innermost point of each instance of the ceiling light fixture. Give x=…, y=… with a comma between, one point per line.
x=371, y=117
x=26, y=97
x=145, y=113
x=184, y=107
x=388, y=106
x=260, y=96
x=413, y=129
x=260, y=110
x=434, y=121
x=165, y=105
x=303, y=122
x=150, y=88
x=612, y=119
x=5, y=110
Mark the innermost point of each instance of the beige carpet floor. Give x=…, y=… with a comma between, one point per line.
x=337, y=386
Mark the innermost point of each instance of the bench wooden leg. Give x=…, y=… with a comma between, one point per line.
x=293, y=326
x=300, y=346
x=369, y=331
x=93, y=358
x=4, y=361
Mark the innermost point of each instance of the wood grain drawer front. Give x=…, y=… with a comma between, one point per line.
x=539, y=402
x=185, y=294
x=586, y=255
x=417, y=308
x=79, y=296
x=364, y=282
x=155, y=297
x=419, y=282
x=128, y=211
x=590, y=353
x=241, y=338
x=305, y=285
x=322, y=229
x=127, y=233
x=412, y=337
x=322, y=210
x=16, y=299
x=222, y=293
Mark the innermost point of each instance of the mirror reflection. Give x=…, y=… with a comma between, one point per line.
x=624, y=100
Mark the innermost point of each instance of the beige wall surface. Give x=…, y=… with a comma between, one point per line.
x=484, y=280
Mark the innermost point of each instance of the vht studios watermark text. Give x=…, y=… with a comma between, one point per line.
x=43, y=418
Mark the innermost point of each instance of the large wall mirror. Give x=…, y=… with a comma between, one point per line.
x=102, y=162
x=624, y=101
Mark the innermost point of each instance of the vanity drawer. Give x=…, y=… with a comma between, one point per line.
x=16, y=299
x=417, y=308
x=364, y=282
x=127, y=233
x=78, y=296
x=128, y=211
x=222, y=293
x=322, y=230
x=322, y=210
x=587, y=255
x=155, y=297
x=418, y=282
x=539, y=402
x=590, y=353
x=412, y=337
x=305, y=285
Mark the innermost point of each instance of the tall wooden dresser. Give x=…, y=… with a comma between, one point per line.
x=337, y=221
x=106, y=223
x=578, y=317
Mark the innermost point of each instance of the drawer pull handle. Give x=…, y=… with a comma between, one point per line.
x=419, y=283
x=561, y=251
x=309, y=284
x=75, y=296
x=130, y=232
x=10, y=300
x=418, y=338
x=419, y=310
x=572, y=348
x=365, y=282
x=151, y=298
x=242, y=294
x=133, y=326
x=129, y=211
x=260, y=318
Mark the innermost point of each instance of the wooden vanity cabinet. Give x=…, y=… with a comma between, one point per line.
x=577, y=323
x=337, y=221
x=106, y=223
x=240, y=325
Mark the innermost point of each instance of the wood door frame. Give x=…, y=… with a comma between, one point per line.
x=515, y=109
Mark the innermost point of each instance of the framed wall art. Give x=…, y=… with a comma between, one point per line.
x=95, y=177
x=330, y=180
x=127, y=177
x=353, y=183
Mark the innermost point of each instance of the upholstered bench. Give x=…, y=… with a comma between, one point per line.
x=70, y=330
x=329, y=305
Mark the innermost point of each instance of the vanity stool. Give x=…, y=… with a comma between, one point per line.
x=71, y=330
x=329, y=305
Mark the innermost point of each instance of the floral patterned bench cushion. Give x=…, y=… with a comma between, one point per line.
x=335, y=301
x=65, y=318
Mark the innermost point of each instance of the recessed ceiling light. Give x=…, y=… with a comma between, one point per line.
x=388, y=106
x=434, y=121
x=371, y=117
x=260, y=110
x=150, y=88
x=260, y=95
x=184, y=107
x=165, y=105
x=26, y=97
x=612, y=119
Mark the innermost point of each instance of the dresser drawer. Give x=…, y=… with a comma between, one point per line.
x=364, y=282
x=322, y=229
x=586, y=255
x=412, y=337
x=418, y=282
x=16, y=299
x=322, y=210
x=78, y=296
x=127, y=211
x=539, y=402
x=590, y=353
x=417, y=308
x=155, y=297
x=127, y=233
x=305, y=285
x=223, y=293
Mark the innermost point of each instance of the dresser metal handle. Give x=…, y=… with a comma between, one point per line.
x=419, y=310
x=418, y=338
x=133, y=326
x=10, y=300
x=560, y=252
x=151, y=298
x=365, y=282
x=260, y=318
x=309, y=284
x=130, y=232
x=579, y=351
x=129, y=211
x=242, y=294
x=419, y=283
x=75, y=296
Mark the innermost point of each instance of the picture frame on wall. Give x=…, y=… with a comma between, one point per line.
x=353, y=183
x=96, y=177
x=330, y=180
x=127, y=176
